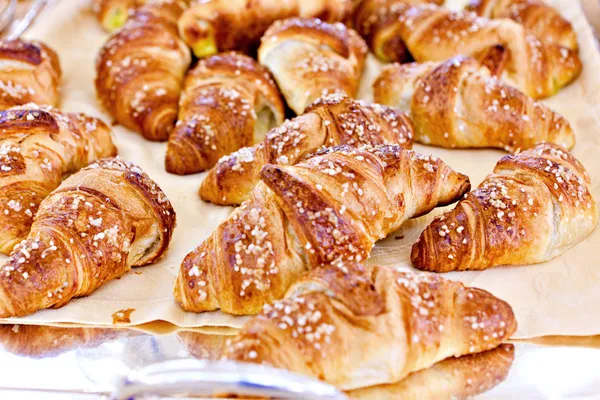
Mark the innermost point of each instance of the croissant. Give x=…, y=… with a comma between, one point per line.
x=358, y=329
x=458, y=103
x=453, y=378
x=29, y=73
x=433, y=33
x=536, y=16
x=141, y=68
x=332, y=120
x=212, y=26
x=112, y=14
x=333, y=206
x=310, y=58
x=100, y=222
x=38, y=146
x=202, y=345
x=229, y=101
x=535, y=205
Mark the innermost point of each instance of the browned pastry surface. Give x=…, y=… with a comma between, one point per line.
x=203, y=346
x=535, y=205
x=229, y=101
x=333, y=206
x=100, y=222
x=355, y=328
x=310, y=58
x=458, y=103
x=140, y=70
x=29, y=73
x=332, y=120
x=38, y=147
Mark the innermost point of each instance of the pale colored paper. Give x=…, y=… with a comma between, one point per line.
x=559, y=297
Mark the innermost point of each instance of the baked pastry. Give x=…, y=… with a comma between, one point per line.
x=38, y=146
x=100, y=222
x=332, y=120
x=29, y=73
x=536, y=16
x=535, y=205
x=453, y=378
x=354, y=328
x=310, y=58
x=229, y=101
x=333, y=206
x=433, y=33
x=112, y=14
x=458, y=103
x=203, y=346
x=212, y=26
x=140, y=70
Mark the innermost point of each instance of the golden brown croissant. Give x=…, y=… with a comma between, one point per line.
x=458, y=103
x=211, y=26
x=202, y=345
x=435, y=34
x=38, y=146
x=229, y=101
x=140, y=70
x=355, y=328
x=310, y=58
x=536, y=16
x=29, y=73
x=450, y=379
x=332, y=120
x=333, y=206
x=112, y=14
x=535, y=205
x=100, y=222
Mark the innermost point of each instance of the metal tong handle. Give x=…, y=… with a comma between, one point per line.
x=20, y=27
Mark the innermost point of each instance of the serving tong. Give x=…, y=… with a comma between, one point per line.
x=11, y=27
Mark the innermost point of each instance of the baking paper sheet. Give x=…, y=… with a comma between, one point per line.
x=559, y=297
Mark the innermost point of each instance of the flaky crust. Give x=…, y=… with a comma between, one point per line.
x=331, y=121
x=94, y=227
x=38, y=146
x=355, y=330
x=333, y=206
x=229, y=101
x=202, y=345
x=29, y=73
x=212, y=26
x=535, y=205
x=459, y=104
x=310, y=58
x=452, y=378
x=140, y=70
x=536, y=16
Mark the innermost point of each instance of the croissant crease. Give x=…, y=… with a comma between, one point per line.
x=359, y=329
x=333, y=206
x=141, y=68
x=310, y=58
x=330, y=121
x=535, y=206
x=433, y=33
x=212, y=26
x=29, y=73
x=100, y=222
x=228, y=102
x=38, y=146
x=458, y=103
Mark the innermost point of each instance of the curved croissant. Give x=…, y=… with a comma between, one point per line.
x=212, y=26
x=141, y=68
x=37, y=148
x=94, y=227
x=112, y=14
x=536, y=16
x=332, y=120
x=458, y=103
x=203, y=346
x=359, y=329
x=229, y=101
x=333, y=206
x=29, y=73
x=310, y=58
x=435, y=34
x=535, y=205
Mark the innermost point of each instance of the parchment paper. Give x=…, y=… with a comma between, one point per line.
x=560, y=297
